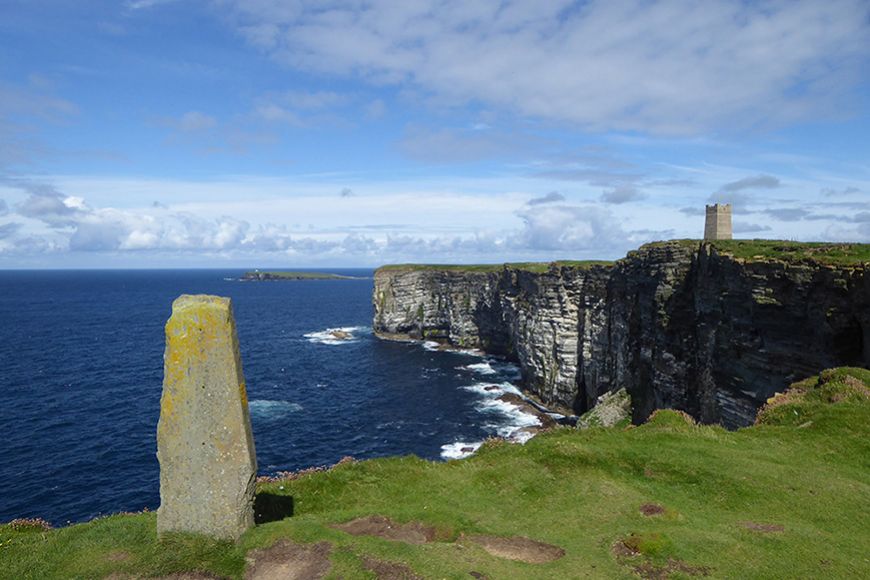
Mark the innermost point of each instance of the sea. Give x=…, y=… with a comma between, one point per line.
x=81, y=371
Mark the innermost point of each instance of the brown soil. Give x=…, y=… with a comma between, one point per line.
x=389, y=570
x=383, y=527
x=478, y=575
x=763, y=528
x=651, y=509
x=519, y=548
x=196, y=575
x=643, y=567
x=286, y=560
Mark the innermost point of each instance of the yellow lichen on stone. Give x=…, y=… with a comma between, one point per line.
x=204, y=439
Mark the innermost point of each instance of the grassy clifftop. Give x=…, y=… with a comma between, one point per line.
x=820, y=252
x=785, y=498
x=787, y=251
x=526, y=266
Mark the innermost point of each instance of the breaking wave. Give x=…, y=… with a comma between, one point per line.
x=336, y=336
x=266, y=409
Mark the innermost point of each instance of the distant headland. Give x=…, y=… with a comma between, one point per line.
x=259, y=276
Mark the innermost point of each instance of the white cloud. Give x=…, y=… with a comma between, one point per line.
x=567, y=227
x=677, y=66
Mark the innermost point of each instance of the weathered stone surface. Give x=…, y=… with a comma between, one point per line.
x=677, y=325
x=204, y=441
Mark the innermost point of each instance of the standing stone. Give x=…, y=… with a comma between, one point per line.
x=204, y=442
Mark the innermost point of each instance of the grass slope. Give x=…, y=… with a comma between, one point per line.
x=786, y=498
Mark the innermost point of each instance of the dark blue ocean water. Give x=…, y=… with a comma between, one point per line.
x=81, y=370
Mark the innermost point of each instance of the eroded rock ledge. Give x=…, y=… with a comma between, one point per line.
x=680, y=324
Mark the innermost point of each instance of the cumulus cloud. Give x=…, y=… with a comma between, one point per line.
x=622, y=194
x=552, y=197
x=44, y=202
x=567, y=227
x=727, y=64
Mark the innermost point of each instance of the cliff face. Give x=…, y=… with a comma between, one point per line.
x=677, y=324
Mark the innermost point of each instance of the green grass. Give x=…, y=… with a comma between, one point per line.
x=526, y=266
x=805, y=467
x=822, y=252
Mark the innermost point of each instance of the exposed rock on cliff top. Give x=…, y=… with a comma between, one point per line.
x=712, y=328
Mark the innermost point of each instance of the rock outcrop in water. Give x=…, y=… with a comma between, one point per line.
x=678, y=324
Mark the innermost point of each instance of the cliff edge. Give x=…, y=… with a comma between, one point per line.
x=710, y=328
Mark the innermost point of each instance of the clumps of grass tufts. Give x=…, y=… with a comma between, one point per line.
x=802, y=400
x=670, y=419
x=29, y=525
x=292, y=475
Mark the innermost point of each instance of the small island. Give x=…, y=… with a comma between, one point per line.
x=257, y=275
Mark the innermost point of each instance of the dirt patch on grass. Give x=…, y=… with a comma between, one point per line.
x=519, y=548
x=389, y=570
x=652, y=509
x=383, y=527
x=286, y=560
x=629, y=556
x=763, y=528
x=195, y=575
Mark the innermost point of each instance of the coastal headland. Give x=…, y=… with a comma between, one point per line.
x=712, y=328
x=257, y=275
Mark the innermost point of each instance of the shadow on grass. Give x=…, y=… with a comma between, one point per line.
x=270, y=507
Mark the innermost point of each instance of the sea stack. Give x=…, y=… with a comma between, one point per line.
x=204, y=442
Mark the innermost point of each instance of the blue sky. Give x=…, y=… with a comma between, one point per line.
x=182, y=133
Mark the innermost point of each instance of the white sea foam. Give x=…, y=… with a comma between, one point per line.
x=492, y=389
x=482, y=368
x=459, y=449
x=336, y=336
x=431, y=345
x=270, y=409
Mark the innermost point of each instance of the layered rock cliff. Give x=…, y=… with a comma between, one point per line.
x=678, y=324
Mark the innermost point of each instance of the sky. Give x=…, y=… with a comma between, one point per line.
x=267, y=133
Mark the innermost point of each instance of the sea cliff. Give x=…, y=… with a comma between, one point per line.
x=713, y=329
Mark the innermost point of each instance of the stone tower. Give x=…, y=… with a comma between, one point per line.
x=718, y=223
